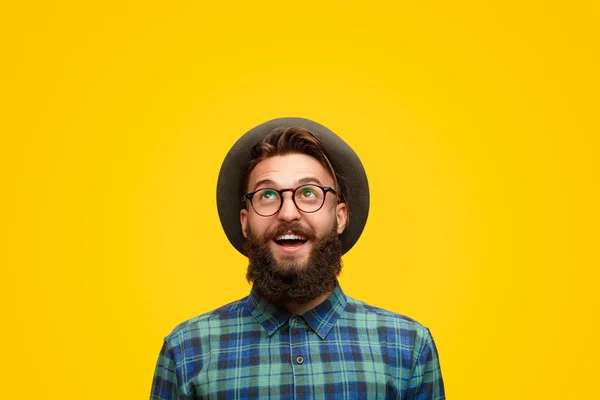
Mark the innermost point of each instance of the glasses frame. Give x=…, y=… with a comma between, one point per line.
x=325, y=189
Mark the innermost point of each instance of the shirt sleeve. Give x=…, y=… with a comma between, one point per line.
x=426, y=380
x=165, y=385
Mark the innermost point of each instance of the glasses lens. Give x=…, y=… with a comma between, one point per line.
x=266, y=202
x=309, y=198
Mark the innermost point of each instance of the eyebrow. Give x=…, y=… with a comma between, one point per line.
x=271, y=184
x=262, y=182
x=306, y=180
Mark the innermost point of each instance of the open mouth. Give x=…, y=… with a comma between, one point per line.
x=290, y=241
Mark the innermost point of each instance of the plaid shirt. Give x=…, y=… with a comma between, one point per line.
x=342, y=349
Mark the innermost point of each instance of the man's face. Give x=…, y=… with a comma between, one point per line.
x=291, y=171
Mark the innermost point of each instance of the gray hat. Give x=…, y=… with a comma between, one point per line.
x=343, y=159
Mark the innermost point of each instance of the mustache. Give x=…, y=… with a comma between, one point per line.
x=285, y=227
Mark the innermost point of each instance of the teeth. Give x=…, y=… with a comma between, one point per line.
x=290, y=237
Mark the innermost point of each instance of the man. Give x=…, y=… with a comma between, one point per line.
x=304, y=203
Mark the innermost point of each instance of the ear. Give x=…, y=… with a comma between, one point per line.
x=341, y=214
x=244, y=222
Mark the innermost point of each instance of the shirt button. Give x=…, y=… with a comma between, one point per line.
x=298, y=319
x=299, y=360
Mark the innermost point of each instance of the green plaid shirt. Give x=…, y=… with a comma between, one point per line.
x=342, y=349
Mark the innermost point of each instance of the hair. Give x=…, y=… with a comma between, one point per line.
x=295, y=140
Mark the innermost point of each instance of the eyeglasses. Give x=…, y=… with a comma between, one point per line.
x=306, y=198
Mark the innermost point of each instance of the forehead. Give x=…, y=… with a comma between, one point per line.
x=288, y=171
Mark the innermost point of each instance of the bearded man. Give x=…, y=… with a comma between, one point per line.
x=297, y=335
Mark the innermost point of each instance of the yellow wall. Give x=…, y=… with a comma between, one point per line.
x=476, y=122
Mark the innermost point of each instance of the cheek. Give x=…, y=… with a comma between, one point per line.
x=259, y=225
x=322, y=224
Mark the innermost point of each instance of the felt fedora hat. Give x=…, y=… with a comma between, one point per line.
x=343, y=159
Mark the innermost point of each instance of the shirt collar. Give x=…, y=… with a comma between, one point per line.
x=268, y=315
x=320, y=319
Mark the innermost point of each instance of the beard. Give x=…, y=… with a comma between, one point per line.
x=289, y=281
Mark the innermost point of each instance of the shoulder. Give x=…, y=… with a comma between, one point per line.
x=386, y=322
x=202, y=325
x=360, y=307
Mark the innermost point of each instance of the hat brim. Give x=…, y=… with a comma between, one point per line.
x=343, y=159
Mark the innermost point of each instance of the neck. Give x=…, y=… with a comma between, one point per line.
x=301, y=308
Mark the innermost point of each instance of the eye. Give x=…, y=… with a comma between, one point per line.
x=268, y=194
x=307, y=192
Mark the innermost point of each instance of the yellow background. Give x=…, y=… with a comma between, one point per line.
x=476, y=122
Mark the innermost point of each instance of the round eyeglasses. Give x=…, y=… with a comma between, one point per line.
x=307, y=198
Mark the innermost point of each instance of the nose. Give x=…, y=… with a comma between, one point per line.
x=288, y=211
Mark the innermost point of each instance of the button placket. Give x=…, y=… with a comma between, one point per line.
x=297, y=336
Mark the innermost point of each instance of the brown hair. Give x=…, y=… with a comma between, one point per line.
x=292, y=140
